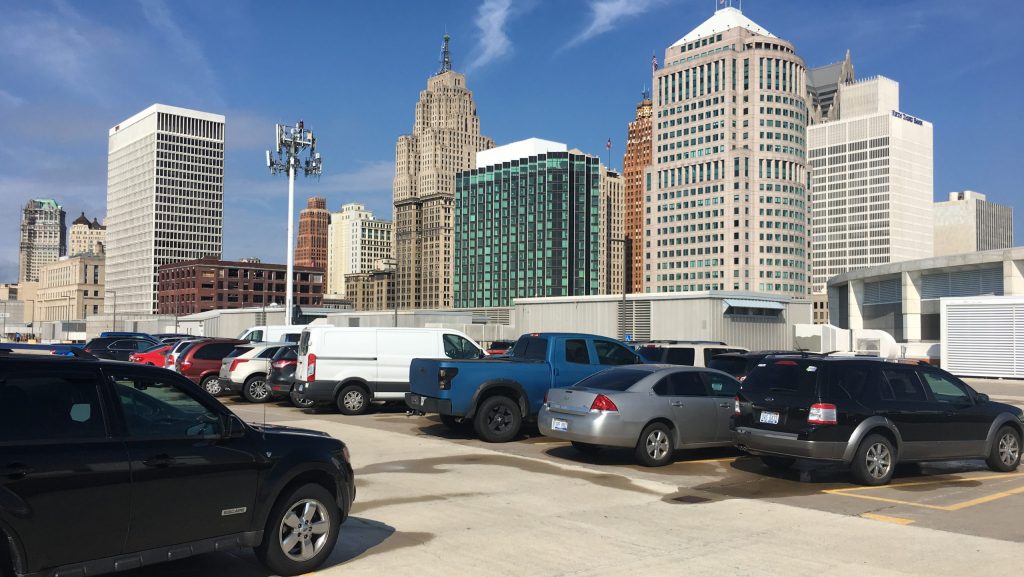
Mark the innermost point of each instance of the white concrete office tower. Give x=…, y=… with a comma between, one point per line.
x=969, y=223
x=726, y=192
x=871, y=183
x=355, y=241
x=165, y=199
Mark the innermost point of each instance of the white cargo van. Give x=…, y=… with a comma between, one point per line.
x=351, y=367
x=272, y=334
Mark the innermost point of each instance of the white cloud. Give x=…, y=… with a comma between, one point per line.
x=190, y=50
x=493, y=43
x=605, y=15
x=8, y=100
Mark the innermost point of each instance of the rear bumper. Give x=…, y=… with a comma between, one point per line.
x=318, y=391
x=606, y=429
x=229, y=385
x=424, y=404
x=773, y=443
x=281, y=386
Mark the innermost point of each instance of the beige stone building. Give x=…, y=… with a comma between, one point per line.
x=71, y=289
x=373, y=290
x=444, y=140
x=967, y=222
x=355, y=241
x=727, y=194
x=86, y=237
x=611, y=233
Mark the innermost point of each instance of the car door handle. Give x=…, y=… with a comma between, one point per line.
x=677, y=403
x=159, y=461
x=17, y=471
x=725, y=405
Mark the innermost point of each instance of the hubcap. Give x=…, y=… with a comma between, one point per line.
x=657, y=445
x=500, y=419
x=353, y=400
x=304, y=530
x=259, y=390
x=1009, y=449
x=878, y=460
x=212, y=386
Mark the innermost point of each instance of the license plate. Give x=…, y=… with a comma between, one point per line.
x=559, y=425
x=769, y=417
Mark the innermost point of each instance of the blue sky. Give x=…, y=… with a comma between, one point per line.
x=567, y=70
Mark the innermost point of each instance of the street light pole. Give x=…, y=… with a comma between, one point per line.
x=291, y=141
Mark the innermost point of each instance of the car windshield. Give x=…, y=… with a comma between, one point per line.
x=612, y=379
x=735, y=366
x=793, y=376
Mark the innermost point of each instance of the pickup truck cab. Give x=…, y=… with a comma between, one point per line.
x=496, y=395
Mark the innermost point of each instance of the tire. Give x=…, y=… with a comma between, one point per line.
x=300, y=402
x=256, y=389
x=498, y=419
x=655, y=447
x=777, y=463
x=211, y=385
x=319, y=531
x=874, y=462
x=1005, y=454
x=586, y=448
x=353, y=400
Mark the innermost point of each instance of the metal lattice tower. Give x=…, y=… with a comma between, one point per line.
x=446, y=56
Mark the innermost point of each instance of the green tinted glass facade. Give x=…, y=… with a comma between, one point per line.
x=527, y=228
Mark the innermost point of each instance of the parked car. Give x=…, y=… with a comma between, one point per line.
x=152, y=467
x=273, y=333
x=282, y=376
x=117, y=348
x=653, y=409
x=351, y=367
x=177, y=349
x=689, y=353
x=146, y=336
x=739, y=365
x=496, y=395
x=245, y=371
x=155, y=355
x=200, y=362
x=870, y=414
x=499, y=347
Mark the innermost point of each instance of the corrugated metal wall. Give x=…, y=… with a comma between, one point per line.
x=984, y=339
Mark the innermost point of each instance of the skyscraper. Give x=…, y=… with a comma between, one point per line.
x=967, y=222
x=165, y=199
x=355, y=241
x=311, y=245
x=445, y=139
x=635, y=162
x=726, y=188
x=871, y=183
x=86, y=237
x=823, y=85
x=43, y=237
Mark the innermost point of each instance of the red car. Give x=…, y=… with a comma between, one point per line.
x=152, y=356
x=201, y=362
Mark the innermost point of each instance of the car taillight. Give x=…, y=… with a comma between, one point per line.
x=132, y=357
x=445, y=376
x=741, y=378
x=603, y=403
x=822, y=414
x=310, y=368
x=169, y=361
x=736, y=406
x=546, y=396
x=87, y=349
x=282, y=364
x=235, y=364
x=186, y=365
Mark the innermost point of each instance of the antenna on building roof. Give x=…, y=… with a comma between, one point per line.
x=446, y=56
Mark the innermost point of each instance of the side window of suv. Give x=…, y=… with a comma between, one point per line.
x=680, y=356
x=158, y=408
x=944, y=389
x=905, y=384
x=609, y=353
x=859, y=381
x=214, y=351
x=48, y=403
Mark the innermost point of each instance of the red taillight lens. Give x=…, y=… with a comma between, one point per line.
x=87, y=349
x=132, y=357
x=186, y=365
x=235, y=363
x=786, y=363
x=603, y=403
x=310, y=368
x=822, y=414
x=282, y=364
x=736, y=405
x=546, y=395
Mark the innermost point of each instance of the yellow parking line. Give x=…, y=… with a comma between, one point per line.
x=986, y=499
x=722, y=460
x=887, y=519
x=857, y=492
x=933, y=482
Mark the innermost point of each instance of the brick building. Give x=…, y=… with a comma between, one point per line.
x=635, y=162
x=314, y=222
x=206, y=284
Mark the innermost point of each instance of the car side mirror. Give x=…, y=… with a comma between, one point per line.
x=235, y=428
x=981, y=398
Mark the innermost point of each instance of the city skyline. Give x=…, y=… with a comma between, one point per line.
x=79, y=83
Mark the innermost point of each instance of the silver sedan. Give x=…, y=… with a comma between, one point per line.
x=654, y=408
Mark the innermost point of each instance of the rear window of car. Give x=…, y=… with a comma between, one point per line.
x=238, y=351
x=530, y=348
x=213, y=351
x=501, y=345
x=735, y=366
x=793, y=376
x=612, y=379
x=286, y=354
x=652, y=354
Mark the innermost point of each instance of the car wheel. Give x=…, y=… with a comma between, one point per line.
x=353, y=400
x=655, y=447
x=874, y=462
x=777, y=463
x=211, y=385
x=301, y=531
x=256, y=390
x=1005, y=455
x=586, y=448
x=299, y=401
x=497, y=420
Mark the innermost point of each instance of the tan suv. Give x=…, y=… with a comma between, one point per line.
x=689, y=353
x=245, y=370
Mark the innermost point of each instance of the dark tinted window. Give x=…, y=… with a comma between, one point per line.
x=501, y=345
x=736, y=366
x=612, y=379
x=456, y=347
x=268, y=353
x=238, y=351
x=797, y=377
x=686, y=384
x=904, y=384
x=49, y=403
x=291, y=337
x=576, y=351
x=100, y=343
x=721, y=385
x=157, y=407
x=609, y=353
x=711, y=352
x=861, y=382
x=680, y=356
x=286, y=354
x=531, y=348
x=213, y=351
x=652, y=354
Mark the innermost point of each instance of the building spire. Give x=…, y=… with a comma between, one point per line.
x=446, y=56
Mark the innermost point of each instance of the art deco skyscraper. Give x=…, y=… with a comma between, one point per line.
x=635, y=162
x=43, y=237
x=727, y=195
x=311, y=245
x=445, y=139
x=165, y=199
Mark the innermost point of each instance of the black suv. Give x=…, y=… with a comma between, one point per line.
x=118, y=348
x=870, y=414
x=108, y=466
x=740, y=364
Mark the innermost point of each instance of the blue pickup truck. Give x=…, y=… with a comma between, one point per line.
x=497, y=394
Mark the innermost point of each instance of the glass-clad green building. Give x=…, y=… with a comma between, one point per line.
x=526, y=227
